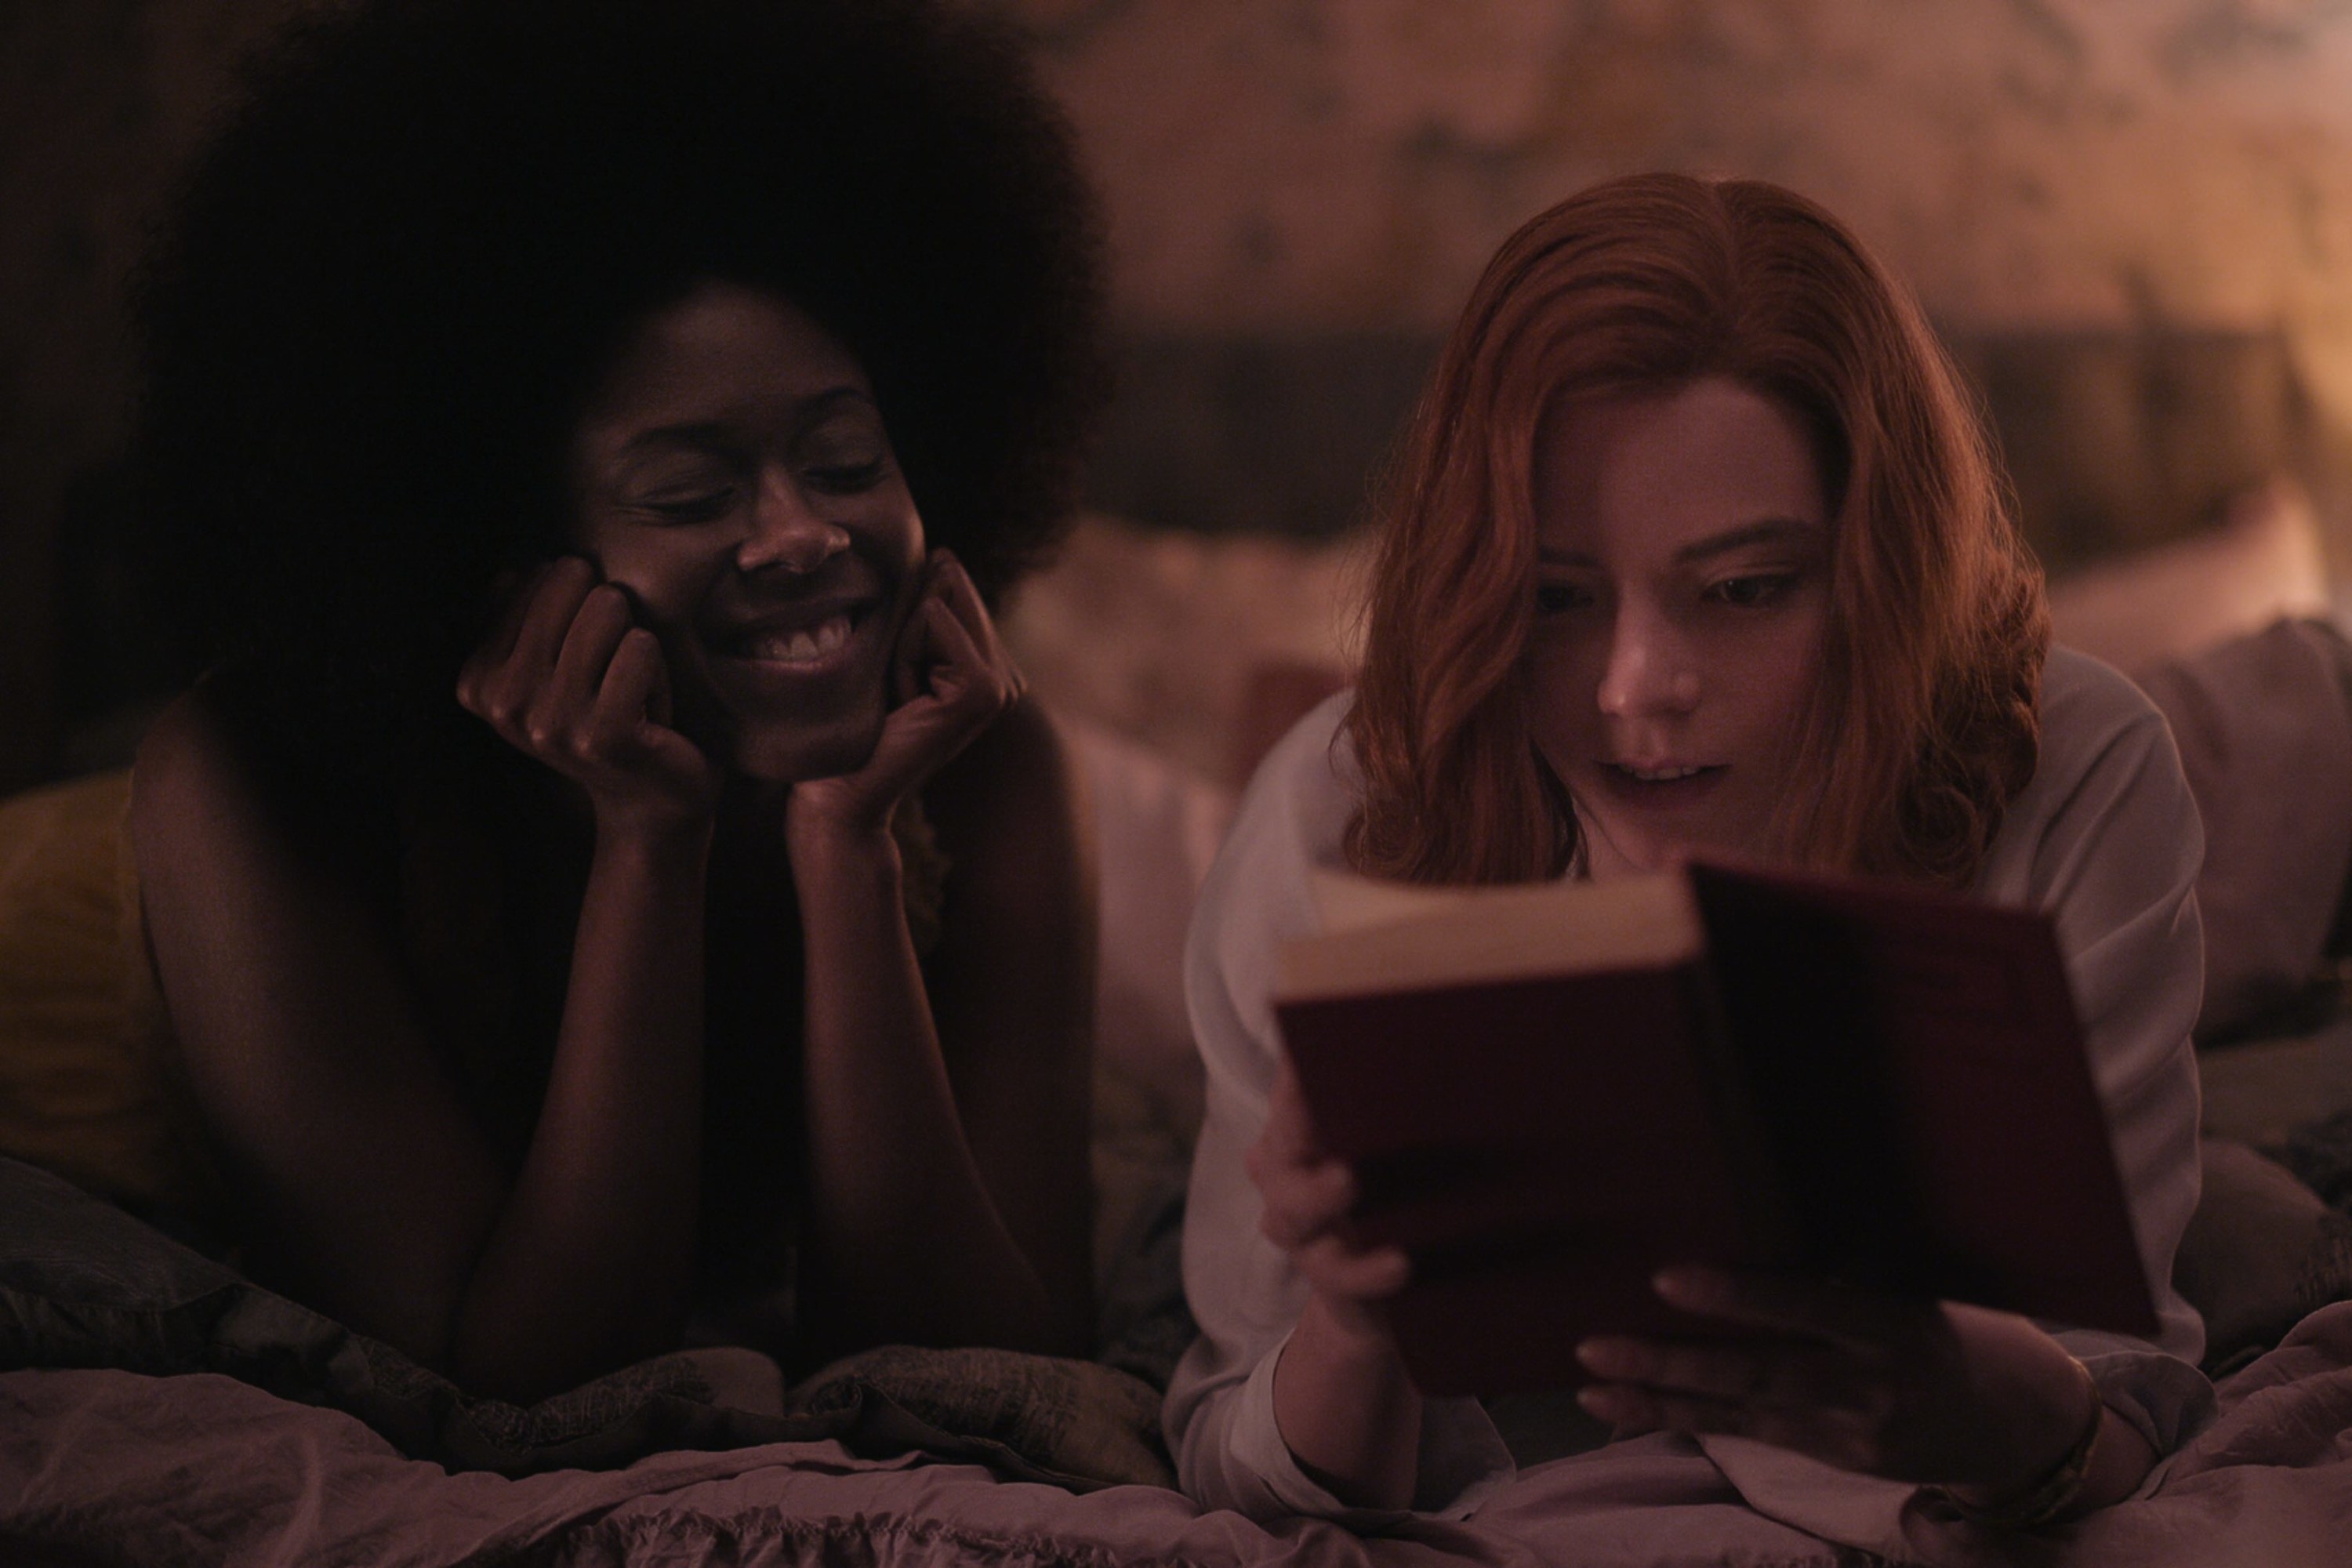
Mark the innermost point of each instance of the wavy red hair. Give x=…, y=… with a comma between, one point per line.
x=1925, y=718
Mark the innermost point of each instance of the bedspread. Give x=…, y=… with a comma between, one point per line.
x=116, y=1467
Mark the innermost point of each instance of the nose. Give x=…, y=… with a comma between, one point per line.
x=786, y=531
x=1650, y=672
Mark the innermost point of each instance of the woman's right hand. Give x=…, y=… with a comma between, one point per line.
x=1308, y=1197
x=1343, y=1400
x=566, y=678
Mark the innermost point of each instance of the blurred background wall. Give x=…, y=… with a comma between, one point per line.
x=2132, y=217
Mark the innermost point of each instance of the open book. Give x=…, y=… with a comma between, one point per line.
x=1550, y=1092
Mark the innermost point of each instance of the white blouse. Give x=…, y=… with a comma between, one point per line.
x=2106, y=839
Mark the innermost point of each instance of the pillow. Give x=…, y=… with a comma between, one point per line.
x=85, y=1085
x=1155, y=634
x=2264, y=562
x=2261, y=1251
x=1157, y=827
x=2265, y=728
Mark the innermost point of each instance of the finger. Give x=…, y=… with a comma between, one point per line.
x=1789, y=1374
x=1363, y=1274
x=1286, y=1116
x=1282, y=1146
x=497, y=643
x=633, y=679
x=514, y=592
x=1303, y=1204
x=1829, y=1435
x=595, y=634
x=909, y=653
x=955, y=668
x=962, y=596
x=1290, y=1130
x=520, y=695
x=554, y=605
x=1285, y=1155
x=659, y=701
x=1791, y=1305
x=1639, y=1405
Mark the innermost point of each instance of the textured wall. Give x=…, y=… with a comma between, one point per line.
x=2135, y=215
x=1302, y=191
x=1349, y=164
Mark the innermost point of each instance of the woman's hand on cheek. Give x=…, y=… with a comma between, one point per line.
x=1916, y=1391
x=565, y=678
x=951, y=678
x=1308, y=1197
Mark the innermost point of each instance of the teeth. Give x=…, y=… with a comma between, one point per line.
x=1658, y=775
x=800, y=648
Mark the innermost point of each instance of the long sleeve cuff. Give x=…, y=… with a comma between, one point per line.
x=2165, y=1398
x=1461, y=1460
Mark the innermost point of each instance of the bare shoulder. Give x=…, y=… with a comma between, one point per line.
x=250, y=900
x=364, y=1183
x=229, y=885
x=224, y=788
x=194, y=795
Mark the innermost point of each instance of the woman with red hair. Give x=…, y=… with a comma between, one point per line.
x=1697, y=544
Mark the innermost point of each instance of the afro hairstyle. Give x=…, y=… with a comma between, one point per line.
x=393, y=277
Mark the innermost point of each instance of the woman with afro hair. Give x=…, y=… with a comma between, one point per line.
x=608, y=887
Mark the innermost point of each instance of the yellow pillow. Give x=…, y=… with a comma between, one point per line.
x=88, y=1083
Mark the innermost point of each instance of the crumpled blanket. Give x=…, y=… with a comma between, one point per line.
x=83, y=1284
x=185, y=1416
x=115, y=1467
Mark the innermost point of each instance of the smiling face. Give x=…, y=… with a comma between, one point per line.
x=1682, y=596
x=733, y=475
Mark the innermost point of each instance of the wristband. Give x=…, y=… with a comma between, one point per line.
x=2053, y=1492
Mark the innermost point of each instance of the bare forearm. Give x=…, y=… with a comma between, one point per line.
x=589, y=1262
x=1348, y=1410
x=903, y=1225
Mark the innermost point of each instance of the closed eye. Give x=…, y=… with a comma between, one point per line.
x=846, y=478
x=691, y=506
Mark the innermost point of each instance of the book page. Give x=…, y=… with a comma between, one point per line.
x=1386, y=936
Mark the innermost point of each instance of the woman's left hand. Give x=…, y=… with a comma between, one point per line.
x=951, y=678
x=1914, y=1390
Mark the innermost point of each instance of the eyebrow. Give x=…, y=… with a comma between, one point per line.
x=1769, y=531
x=707, y=433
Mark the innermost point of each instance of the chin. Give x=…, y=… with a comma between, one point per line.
x=802, y=753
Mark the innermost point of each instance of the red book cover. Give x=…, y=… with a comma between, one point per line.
x=1549, y=1093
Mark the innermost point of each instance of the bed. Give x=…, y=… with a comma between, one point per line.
x=113, y=1466
x=156, y=1409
